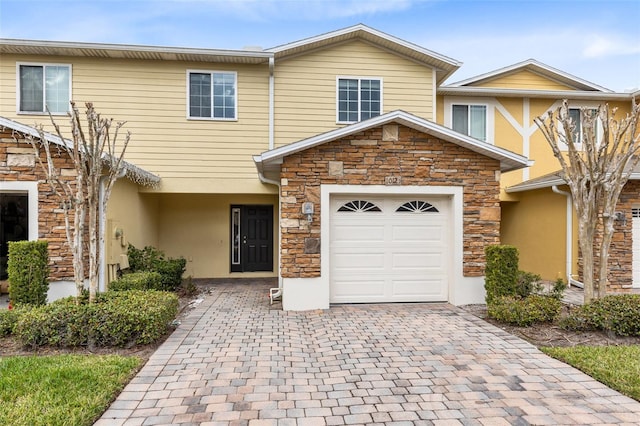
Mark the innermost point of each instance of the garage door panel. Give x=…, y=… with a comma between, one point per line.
x=429, y=234
x=359, y=233
x=428, y=288
x=361, y=261
x=424, y=261
x=365, y=289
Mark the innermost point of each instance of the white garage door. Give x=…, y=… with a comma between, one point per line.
x=389, y=249
x=635, y=237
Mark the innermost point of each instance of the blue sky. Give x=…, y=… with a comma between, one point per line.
x=597, y=40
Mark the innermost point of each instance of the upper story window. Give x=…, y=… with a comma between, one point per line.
x=212, y=95
x=43, y=87
x=470, y=120
x=574, y=114
x=358, y=99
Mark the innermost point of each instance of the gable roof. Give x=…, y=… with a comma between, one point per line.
x=443, y=65
x=132, y=172
x=131, y=51
x=535, y=67
x=269, y=161
x=583, y=89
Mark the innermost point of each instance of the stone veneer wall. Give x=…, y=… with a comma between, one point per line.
x=621, y=250
x=18, y=163
x=371, y=158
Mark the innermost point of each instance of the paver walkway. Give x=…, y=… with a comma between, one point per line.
x=238, y=360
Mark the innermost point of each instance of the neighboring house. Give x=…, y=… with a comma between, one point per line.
x=537, y=214
x=30, y=210
x=330, y=162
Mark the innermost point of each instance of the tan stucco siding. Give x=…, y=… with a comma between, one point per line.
x=197, y=227
x=521, y=226
x=135, y=214
x=523, y=80
x=151, y=96
x=305, y=102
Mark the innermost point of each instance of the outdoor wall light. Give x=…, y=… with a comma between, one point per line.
x=307, y=208
x=620, y=217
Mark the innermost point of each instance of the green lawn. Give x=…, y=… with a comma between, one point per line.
x=616, y=366
x=61, y=390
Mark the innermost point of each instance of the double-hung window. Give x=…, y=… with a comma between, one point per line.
x=212, y=95
x=470, y=120
x=43, y=87
x=358, y=99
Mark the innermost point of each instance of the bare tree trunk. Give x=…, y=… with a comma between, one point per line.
x=92, y=153
x=596, y=170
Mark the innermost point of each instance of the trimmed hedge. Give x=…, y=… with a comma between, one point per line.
x=122, y=318
x=501, y=272
x=619, y=314
x=8, y=320
x=28, y=269
x=152, y=259
x=141, y=280
x=525, y=311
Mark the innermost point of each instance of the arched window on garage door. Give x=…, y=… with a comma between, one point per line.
x=417, y=207
x=359, y=206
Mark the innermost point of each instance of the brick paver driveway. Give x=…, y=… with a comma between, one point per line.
x=236, y=360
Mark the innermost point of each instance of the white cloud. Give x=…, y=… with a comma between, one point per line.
x=599, y=46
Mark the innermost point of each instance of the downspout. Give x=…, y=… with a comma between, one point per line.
x=272, y=65
x=569, y=237
x=274, y=293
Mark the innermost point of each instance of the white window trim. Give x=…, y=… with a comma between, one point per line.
x=237, y=95
x=41, y=64
x=359, y=78
x=489, y=103
x=31, y=189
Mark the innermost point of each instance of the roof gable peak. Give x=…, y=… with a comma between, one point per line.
x=536, y=67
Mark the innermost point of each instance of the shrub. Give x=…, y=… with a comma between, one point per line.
x=122, y=318
x=8, y=320
x=524, y=311
x=619, y=314
x=501, y=273
x=141, y=280
x=528, y=283
x=152, y=259
x=28, y=269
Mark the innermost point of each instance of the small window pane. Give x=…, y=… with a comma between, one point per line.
x=460, y=119
x=200, y=95
x=478, y=121
x=57, y=88
x=574, y=114
x=31, y=88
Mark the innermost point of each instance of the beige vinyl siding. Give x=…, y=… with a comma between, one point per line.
x=305, y=86
x=523, y=80
x=151, y=96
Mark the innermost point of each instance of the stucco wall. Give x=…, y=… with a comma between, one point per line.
x=366, y=158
